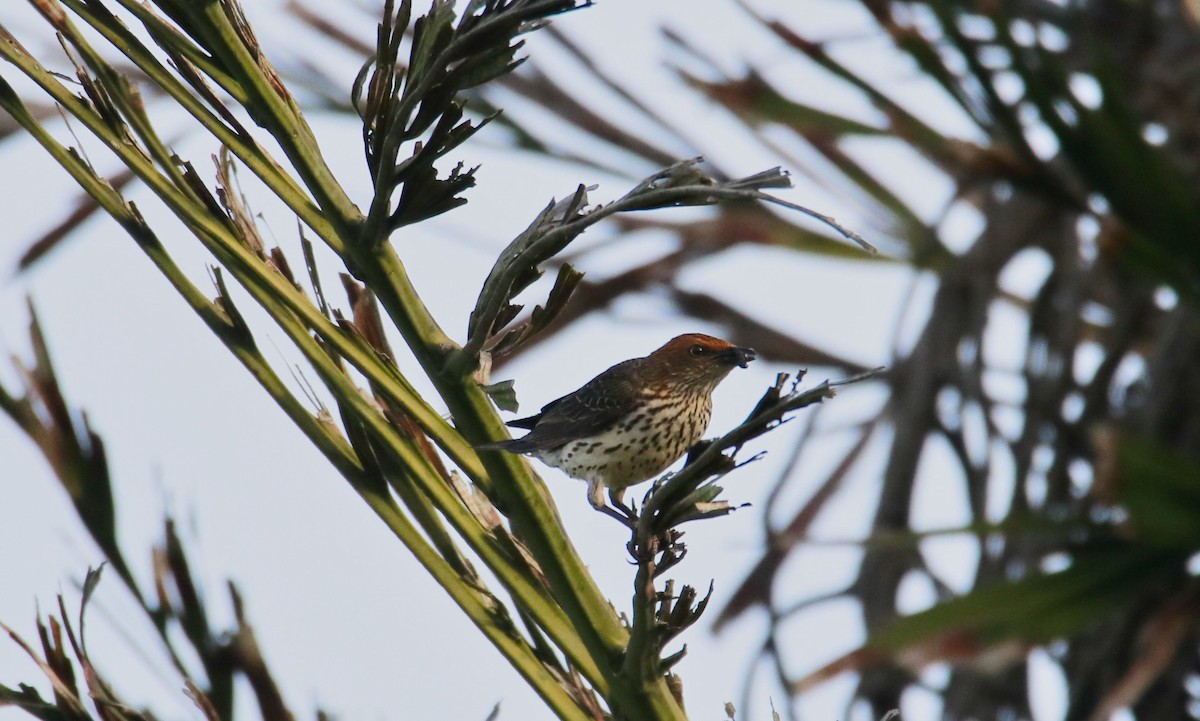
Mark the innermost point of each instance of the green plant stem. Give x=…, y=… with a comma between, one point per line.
x=242, y=145
x=641, y=658
x=268, y=106
x=170, y=38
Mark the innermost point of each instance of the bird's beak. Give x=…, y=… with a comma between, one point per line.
x=738, y=356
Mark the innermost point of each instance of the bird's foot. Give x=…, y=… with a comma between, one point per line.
x=624, y=516
x=618, y=510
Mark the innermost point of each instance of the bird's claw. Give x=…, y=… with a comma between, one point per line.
x=619, y=510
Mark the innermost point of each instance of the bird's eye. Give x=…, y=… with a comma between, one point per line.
x=697, y=350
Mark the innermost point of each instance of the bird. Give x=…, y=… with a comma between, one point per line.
x=634, y=420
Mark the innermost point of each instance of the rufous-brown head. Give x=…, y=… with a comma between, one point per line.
x=697, y=360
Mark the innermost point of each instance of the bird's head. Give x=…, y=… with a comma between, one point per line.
x=696, y=359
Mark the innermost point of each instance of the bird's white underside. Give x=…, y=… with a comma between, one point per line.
x=636, y=448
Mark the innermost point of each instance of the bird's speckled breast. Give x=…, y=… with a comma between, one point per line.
x=638, y=446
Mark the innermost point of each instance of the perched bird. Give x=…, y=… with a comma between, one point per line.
x=631, y=422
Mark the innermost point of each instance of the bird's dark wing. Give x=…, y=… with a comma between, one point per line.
x=586, y=412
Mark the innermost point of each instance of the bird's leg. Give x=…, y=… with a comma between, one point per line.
x=596, y=495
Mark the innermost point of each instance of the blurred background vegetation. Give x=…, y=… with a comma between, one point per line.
x=1077, y=186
